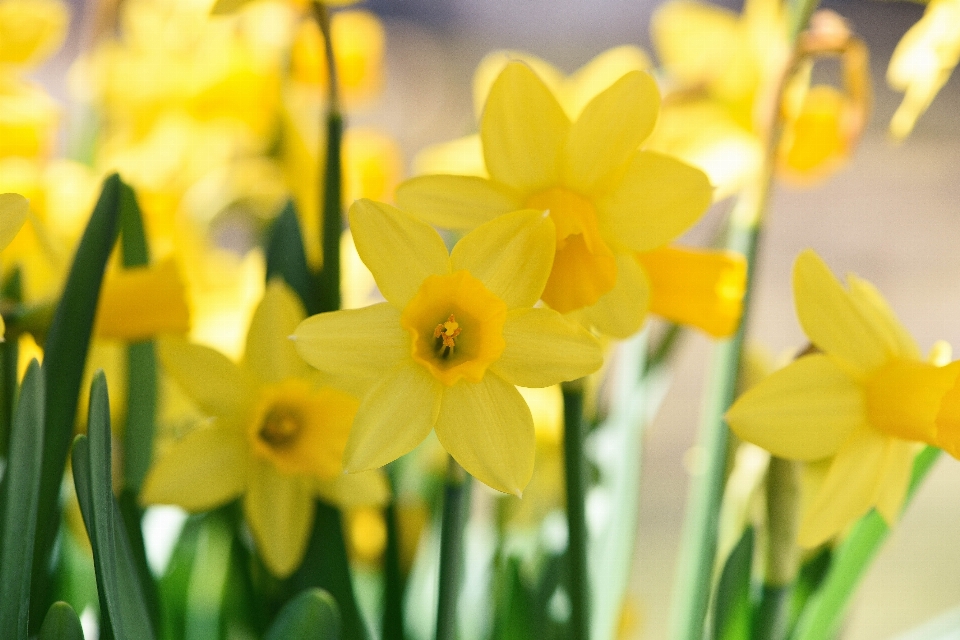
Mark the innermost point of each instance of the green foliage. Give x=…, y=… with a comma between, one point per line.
x=732, y=618
x=61, y=623
x=312, y=614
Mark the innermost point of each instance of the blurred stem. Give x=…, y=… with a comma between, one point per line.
x=332, y=182
x=823, y=614
x=575, y=475
x=456, y=500
x=392, y=574
x=664, y=348
x=699, y=544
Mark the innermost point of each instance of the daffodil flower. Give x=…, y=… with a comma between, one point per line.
x=455, y=335
x=858, y=405
x=607, y=199
x=275, y=438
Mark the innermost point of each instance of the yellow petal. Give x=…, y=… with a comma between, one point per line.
x=872, y=305
x=279, y=510
x=367, y=488
x=270, y=354
x=609, y=130
x=399, y=250
x=658, y=199
x=13, y=213
x=850, y=489
x=143, y=302
x=804, y=411
x=620, y=312
x=511, y=255
x=203, y=470
x=488, y=429
x=904, y=397
x=831, y=319
x=492, y=65
x=459, y=157
x=523, y=131
x=353, y=343
x=697, y=287
x=815, y=143
x=31, y=31
x=207, y=376
x=948, y=422
x=598, y=74
x=394, y=417
x=896, y=479
x=456, y=202
x=544, y=348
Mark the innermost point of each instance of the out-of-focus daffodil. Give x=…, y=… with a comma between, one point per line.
x=276, y=438
x=456, y=334
x=31, y=30
x=143, y=302
x=923, y=61
x=607, y=199
x=859, y=403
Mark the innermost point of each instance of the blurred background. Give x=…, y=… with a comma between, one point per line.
x=892, y=216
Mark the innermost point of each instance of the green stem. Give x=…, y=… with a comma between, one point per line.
x=393, y=586
x=667, y=344
x=576, y=484
x=823, y=614
x=332, y=183
x=456, y=499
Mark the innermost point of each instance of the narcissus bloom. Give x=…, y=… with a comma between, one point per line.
x=859, y=403
x=276, y=437
x=457, y=332
x=607, y=199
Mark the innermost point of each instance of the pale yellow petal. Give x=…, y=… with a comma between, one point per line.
x=13, y=213
x=511, y=255
x=279, y=509
x=204, y=469
x=850, y=488
x=456, y=202
x=394, y=417
x=364, y=489
x=620, y=312
x=493, y=64
x=523, y=131
x=270, y=354
x=207, y=376
x=896, y=479
x=804, y=411
x=872, y=305
x=544, y=348
x=658, y=199
x=831, y=319
x=488, y=429
x=399, y=250
x=598, y=74
x=459, y=157
x=357, y=344
x=609, y=130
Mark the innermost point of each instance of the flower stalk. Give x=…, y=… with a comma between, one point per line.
x=574, y=473
x=456, y=503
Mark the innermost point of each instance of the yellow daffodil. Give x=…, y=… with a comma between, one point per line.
x=456, y=334
x=31, y=30
x=923, y=61
x=607, y=199
x=856, y=406
x=276, y=438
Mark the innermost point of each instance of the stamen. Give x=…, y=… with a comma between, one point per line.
x=446, y=332
x=280, y=427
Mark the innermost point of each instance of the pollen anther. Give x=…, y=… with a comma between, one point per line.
x=446, y=332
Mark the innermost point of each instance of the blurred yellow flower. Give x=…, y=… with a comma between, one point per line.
x=143, y=302
x=606, y=198
x=923, y=61
x=456, y=334
x=30, y=31
x=276, y=438
x=859, y=403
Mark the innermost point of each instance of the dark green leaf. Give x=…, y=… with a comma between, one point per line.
x=287, y=259
x=121, y=595
x=22, y=486
x=515, y=605
x=65, y=353
x=732, y=613
x=61, y=623
x=312, y=614
x=133, y=238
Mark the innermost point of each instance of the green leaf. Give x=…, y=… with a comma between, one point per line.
x=515, y=606
x=732, y=612
x=329, y=281
x=312, y=614
x=11, y=291
x=208, y=578
x=121, y=596
x=65, y=354
x=22, y=486
x=287, y=259
x=61, y=623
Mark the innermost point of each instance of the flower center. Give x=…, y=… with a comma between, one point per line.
x=456, y=327
x=300, y=429
x=584, y=267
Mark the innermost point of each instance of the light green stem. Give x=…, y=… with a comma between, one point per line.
x=456, y=499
